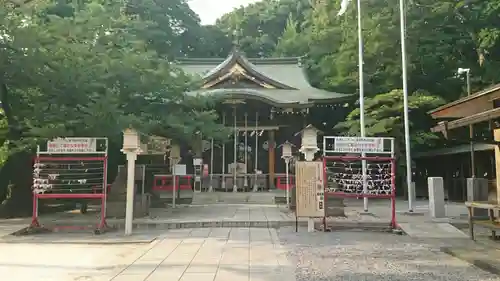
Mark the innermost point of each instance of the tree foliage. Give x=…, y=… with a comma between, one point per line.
x=384, y=117
x=441, y=37
x=258, y=27
x=92, y=69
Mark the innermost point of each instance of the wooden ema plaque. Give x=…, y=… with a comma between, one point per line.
x=310, y=192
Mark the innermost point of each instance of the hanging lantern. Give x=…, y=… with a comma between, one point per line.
x=131, y=140
x=175, y=152
x=309, y=142
x=286, y=150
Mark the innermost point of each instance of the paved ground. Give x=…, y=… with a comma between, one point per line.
x=239, y=215
x=219, y=254
x=239, y=254
x=264, y=213
x=243, y=254
x=37, y=262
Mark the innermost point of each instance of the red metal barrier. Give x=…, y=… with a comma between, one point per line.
x=344, y=178
x=56, y=177
x=166, y=183
x=281, y=182
x=98, y=189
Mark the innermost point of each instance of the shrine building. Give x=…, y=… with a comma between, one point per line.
x=470, y=126
x=265, y=102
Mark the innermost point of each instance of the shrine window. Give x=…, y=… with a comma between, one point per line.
x=496, y=103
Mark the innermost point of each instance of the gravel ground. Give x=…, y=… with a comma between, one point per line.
x=372, y=256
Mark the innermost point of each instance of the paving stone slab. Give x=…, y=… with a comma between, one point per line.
x=80, y=238
x=432, y=230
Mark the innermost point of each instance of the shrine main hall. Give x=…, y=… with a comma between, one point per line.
x=265, y=102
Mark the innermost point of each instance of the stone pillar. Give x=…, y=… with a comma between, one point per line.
x=412, y=192
x=436, y=197
x=496, y=135
x=477, y=190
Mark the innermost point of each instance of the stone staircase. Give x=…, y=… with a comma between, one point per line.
x=259, y=198
x=116, y=203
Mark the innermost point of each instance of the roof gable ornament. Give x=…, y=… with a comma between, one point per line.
x=237, y=66
x=237, y=33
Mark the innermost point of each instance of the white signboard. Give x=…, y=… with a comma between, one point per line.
x=358, y=145
x=180, y=170
x=72, y=145
x=309, y=188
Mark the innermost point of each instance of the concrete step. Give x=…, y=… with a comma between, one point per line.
x=205, y=198
x=280, y=199
x=331, y=224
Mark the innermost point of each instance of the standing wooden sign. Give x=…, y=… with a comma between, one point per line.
x=310, y=192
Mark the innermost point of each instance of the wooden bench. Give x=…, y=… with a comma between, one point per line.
x=491, y=223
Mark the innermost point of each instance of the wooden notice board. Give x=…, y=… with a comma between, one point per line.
x=309, y=187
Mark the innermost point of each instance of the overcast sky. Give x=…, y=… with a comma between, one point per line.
x=210, y=10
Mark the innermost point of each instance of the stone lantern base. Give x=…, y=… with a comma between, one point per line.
x=117, y=197
x=334, y=205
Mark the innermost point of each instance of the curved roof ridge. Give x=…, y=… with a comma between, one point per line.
x=237, y=58
x=272, y=60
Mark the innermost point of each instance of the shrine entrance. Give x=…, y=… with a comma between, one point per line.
x=246, y=161
x=263, y=102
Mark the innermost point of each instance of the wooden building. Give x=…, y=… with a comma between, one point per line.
x=264, y=101
x=453, y=164
x=478, y=113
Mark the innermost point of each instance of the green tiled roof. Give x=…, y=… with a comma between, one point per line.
x=287, y=72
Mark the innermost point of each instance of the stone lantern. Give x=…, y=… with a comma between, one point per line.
x=131, y=147
x=309, y=142
x=131, y=140
x=286, y=154
x=286, y=150
x=174, y=154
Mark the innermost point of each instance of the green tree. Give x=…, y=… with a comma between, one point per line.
x=384, y=118
x=87, y=72
x=258, y=26
x=291, y=44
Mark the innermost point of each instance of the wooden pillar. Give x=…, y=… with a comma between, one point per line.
x=272, y=159
x=496, y=136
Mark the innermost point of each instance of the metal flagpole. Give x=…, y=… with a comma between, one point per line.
x=471, y=132
x=246, y=152
x=223, y=177
x=461, y=71
x=362, y=102
x=211, y=188
x=405, y=105
x=235, y=187
x=256, y=150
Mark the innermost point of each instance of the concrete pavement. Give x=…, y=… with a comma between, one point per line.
x=221, y=253
x=217, y=254
x=48, y=262
x=242, y=254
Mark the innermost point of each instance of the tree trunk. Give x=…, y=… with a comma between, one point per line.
x=16, y=174
x=16, y=177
